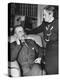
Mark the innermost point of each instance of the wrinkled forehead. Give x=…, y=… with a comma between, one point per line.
x=19, y=29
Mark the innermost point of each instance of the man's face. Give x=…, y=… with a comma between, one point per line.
x=19, y=32
x=47, y=15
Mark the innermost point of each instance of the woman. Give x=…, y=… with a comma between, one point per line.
x=49, y=27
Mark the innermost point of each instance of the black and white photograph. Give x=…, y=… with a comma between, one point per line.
x=33, y=39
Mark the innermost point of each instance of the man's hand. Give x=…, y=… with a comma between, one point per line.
x=14, y=38
x=38, y=60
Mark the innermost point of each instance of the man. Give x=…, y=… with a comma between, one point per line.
x=25, y=51
x=49, y=27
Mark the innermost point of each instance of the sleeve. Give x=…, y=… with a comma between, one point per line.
x=13, y=51
x=41, y=51
x=36, y=30
x=54, y=35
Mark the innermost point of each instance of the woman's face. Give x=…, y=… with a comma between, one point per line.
x=47, y=15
